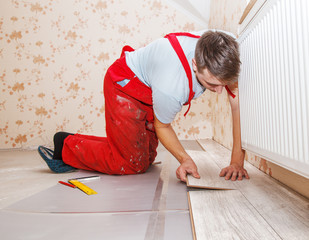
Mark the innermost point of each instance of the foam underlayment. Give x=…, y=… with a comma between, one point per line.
x=147, y=206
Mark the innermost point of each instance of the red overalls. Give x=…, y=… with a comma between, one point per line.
x=131, y=142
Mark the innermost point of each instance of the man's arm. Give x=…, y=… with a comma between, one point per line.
x=170, y=141
x=236, y=169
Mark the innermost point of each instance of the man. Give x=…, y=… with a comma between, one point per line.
x=144, y=90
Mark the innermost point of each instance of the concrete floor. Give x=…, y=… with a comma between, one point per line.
x=148, y=206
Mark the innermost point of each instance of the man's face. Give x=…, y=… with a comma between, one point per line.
x=207, y=80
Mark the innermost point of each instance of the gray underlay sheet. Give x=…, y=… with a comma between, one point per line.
x=146, y=206
x=126, y=207
x=128, y=193
x=73, y=226
x=115, y=194
x=81, y=226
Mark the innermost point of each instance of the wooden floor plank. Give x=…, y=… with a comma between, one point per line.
x=209, y=172
x=285, y=210
x=226, y=215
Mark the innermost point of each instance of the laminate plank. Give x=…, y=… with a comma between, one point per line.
x=221, y=154
x=209, y=172
x=285, y=210
x=226, y=215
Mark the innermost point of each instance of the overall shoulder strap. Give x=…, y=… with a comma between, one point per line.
x=182, y=57
x=184, y=34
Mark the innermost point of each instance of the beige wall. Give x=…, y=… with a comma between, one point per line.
x=225, y=14
x=53, y=57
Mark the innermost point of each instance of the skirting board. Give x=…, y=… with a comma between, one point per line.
x=209, y=172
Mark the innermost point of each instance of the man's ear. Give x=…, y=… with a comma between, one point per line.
x=194, y=64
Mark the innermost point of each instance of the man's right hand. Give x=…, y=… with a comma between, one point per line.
x=187, y=167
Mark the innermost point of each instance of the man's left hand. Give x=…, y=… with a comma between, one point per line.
x=233, y=172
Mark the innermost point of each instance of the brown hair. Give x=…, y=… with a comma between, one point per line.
x=219, y=53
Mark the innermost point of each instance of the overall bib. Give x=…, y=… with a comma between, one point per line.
x=131, y=142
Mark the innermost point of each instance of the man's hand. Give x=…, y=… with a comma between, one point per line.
x=187, y=167
x=170, y=141
x=233, y=172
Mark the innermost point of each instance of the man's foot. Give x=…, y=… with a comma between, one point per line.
x=56, y=165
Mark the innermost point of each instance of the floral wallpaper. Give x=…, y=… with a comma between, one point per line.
x=53, y=58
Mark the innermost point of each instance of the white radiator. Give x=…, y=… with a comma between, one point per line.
x=274, y=83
